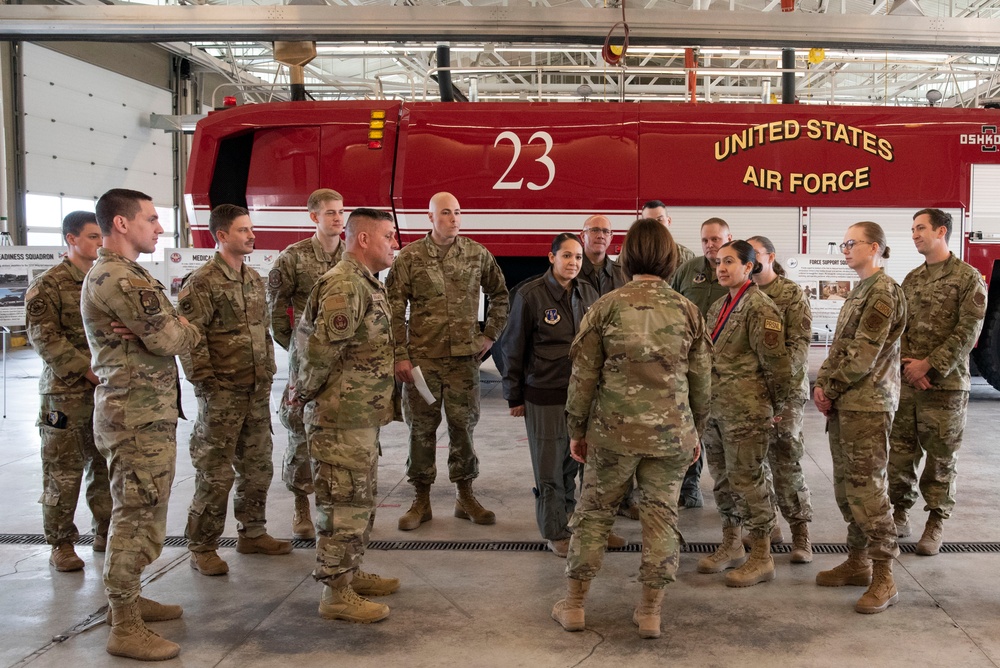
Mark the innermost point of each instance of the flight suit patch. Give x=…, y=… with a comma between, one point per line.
x=36, y=307
x=552, y=316
x=979, y=299
x=150, y=302
x=274, y=279
x=700, y=278
x=874, y=321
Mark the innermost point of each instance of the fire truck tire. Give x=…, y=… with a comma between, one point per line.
x=987, y=354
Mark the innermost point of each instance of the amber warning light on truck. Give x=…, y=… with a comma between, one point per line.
x=376, y=129
x=813, y=129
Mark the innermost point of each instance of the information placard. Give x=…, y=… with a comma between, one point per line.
x=826, y=280
x=19, y=266
x=180, y=262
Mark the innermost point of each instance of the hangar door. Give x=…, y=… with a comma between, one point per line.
x=86, y=130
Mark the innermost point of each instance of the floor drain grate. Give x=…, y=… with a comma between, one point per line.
x=517, y=546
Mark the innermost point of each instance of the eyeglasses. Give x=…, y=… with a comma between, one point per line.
x=851, y=243
x=603, y=231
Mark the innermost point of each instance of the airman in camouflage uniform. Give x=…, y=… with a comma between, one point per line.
x=638, y=396
x=657, y=210
x=696, y=280
x=289, y=283
x=345, y=380
x=751, y=380
x=784, y=454
x=135, y=410
x=66, y=390
x=231, y=370
x=945, y=306
x=857, y=388
x=440, y=277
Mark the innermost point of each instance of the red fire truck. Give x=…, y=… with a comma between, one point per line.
x=524, y=172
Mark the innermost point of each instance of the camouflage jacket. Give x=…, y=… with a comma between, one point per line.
x=227, y=307
x=684, y=255
x=139, y=382
x=293, y=276
x=55, y=329
x=443, y=295
x=751, y=371
x=611, y=275
x=862, y=370
x=641, y=380
x=944, y=316
x=344, y=339
x=696, y=280
x=792, y=303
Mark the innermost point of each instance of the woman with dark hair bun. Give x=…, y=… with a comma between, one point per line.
x=544, y=318
x=751, y=379
x=637, y=399
x=857, y=389
x=784, y=455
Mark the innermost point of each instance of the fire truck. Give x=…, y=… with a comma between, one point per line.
x=524, y=172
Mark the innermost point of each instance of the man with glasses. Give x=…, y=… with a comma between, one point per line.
x=657, y=210
x=696, y=280
x=603, y=273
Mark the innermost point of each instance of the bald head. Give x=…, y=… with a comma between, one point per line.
x=446, y=218
x=597, y=235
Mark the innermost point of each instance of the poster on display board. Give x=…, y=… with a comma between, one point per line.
x=826, y=280
x=180, y=262
x=19, y=266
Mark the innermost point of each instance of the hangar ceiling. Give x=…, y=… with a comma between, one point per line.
x=873, y=52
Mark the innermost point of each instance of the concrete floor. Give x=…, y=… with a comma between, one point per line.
x=481, y=608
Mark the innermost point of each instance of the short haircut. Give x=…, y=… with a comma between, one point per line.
x=716, y=221
x=653, y=204
x=321, y=196
x=649, y=248
x=563, y=238
x=939, y=218
x=222, y=217
x=75, y=221
x=118, y=202
x=355, y=219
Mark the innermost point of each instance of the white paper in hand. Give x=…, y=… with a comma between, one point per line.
x=421, y=385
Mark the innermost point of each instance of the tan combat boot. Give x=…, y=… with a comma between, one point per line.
x=777, y=538
x=802, y=551
x=758, y=568
x=569, y=611
x=340, y=601
x=882, y=592
x=64, y=558
x=262, y=544
x=616, y=540
x=901, y=519
x=151, y=611
x=729, y=554
x=468, y=508
x=130, y=638
x=420, y=510
x=856, y=571
x=209, y=563
x=930, y=543
x=302, y=525
x=647, y=613
x=370, y=584
x=101, y=542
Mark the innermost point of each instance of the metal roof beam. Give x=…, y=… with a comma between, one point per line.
x=141, y=23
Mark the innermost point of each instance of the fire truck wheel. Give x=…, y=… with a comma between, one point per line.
x=987, y=354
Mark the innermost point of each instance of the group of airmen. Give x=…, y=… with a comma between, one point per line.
x=109, y=339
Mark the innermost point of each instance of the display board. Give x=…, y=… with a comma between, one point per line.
x=179, y=262
x=826, y=280
x=19, y=266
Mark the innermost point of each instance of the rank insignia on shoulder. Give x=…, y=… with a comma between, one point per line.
x=883, y=308
x=150, y=301
x=552, y=316
x=773, y=325
x=700, y=278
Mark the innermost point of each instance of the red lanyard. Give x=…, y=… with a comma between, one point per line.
x=727, y=309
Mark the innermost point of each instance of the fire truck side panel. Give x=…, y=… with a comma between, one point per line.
x=522, y=173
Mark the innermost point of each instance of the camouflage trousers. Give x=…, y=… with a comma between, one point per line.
x=784, y=466
x=69, y=456
x=555, y=471
x=345, y=471
x=859, y=444
x=605, y=480
x=231, y=442
x=141, y=462
x=296, y=472
x=454, y=381
x=737, y=452
x=930, y=421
